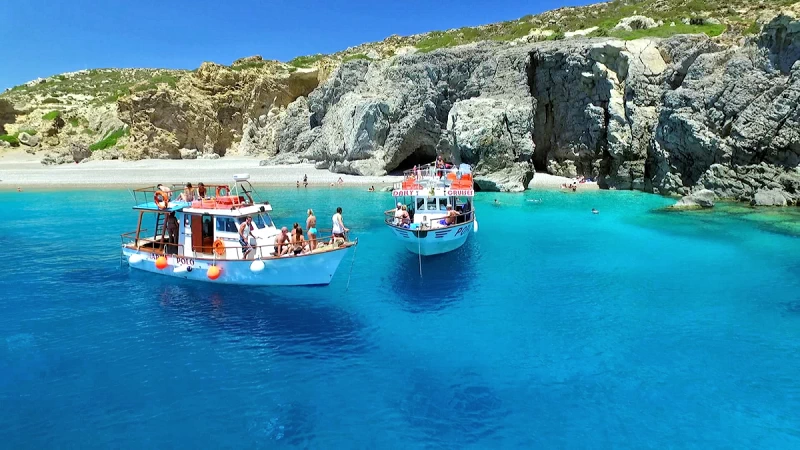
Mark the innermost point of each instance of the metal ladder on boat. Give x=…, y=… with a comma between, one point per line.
x=161, y=229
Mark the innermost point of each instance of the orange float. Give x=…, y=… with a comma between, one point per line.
x=219, y=247
x=161, y=263
x=223, y=191
x=214, y=272
x=162, y=199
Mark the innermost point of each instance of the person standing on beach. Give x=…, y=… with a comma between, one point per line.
x=305, y=181
x=311, y=226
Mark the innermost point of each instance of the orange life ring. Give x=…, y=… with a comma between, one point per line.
x=164, y=202
x=220, y=190
x=219, y=247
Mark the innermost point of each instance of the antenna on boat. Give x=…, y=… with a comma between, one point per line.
x=419, y=253
x=351, y=266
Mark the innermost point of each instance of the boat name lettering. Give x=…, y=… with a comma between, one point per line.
x=461, y=192
x=403, y=193
x=176, y=259
x=461, y=230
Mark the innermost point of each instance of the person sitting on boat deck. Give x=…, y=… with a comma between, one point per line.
x=339, y=229
x=281, y=242
x=172, y=228
x=298, y=243
x=450, y=219
x=201, y=190
x=245, y=234
x=311, y=226
x=166, y=190
x=294, y=231
x=188, y=193
x=405, y=218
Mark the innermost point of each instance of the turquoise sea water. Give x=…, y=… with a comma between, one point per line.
x=550, y=328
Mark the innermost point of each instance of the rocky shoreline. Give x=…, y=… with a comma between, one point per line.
x=670, y=116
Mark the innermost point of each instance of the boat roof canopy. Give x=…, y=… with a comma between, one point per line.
x=171, y=207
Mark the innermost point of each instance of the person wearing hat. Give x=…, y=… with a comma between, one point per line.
x=398, y=214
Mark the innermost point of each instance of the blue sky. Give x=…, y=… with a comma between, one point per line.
x=44, y=38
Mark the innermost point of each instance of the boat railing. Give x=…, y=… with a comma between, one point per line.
x=462, y=217
x=215, y=196
x=164, y=247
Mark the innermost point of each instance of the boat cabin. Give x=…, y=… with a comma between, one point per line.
x=207, y=227
x=428, y=191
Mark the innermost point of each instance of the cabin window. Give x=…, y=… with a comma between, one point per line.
x=431, y=204
x=262, y=221
x=227, y=224
x=442, y=204
x=420, y=204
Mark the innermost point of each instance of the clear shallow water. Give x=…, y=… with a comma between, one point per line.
x=551, y=328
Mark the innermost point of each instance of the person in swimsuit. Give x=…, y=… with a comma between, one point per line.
x=305, y=181
x=281, y=241
x=201, y=190
x=188, y=193
x=450, y=219
x=311, y=226
x=245, y=233
x=339, y=229
x=298, y=243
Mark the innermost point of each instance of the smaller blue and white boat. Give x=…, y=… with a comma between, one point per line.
x=434, y=211
x=200, y=239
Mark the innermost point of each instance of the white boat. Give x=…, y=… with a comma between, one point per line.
x=207, y=246
x=439, y=202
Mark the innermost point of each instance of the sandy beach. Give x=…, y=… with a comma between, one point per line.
x=20, y=169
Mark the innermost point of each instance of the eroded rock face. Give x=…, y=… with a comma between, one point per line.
x=7, y=114
x=469, y=103
x=211, y=110
x=696, y=200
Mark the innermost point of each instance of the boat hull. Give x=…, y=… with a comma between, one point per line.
x=434, y=241
x=314, y=269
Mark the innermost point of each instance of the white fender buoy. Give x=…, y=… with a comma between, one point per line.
x=257, y=266
x=135, y=259
x=475, y=226
x=180, y=269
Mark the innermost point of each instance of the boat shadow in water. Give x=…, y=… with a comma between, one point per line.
x=303, y=325
x=445, y=279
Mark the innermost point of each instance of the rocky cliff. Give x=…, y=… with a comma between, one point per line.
x=659, y=115
x=613, y=100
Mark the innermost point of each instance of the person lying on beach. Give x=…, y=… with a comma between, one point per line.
x=281, y=242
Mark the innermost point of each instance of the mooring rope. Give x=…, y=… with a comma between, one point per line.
x=351, y=266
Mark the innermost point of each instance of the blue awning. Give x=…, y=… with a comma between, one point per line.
x=172, y=207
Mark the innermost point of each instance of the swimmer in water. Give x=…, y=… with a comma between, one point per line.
x=594, y=211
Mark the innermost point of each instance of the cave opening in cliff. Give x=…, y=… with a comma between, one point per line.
x=424, y=154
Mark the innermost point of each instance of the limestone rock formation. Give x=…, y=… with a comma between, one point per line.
x=209, y=110
x=769, y=197
x=31, y=140
x=696, y=200
x=374, y=118
x=7, y=114
x=635, y=23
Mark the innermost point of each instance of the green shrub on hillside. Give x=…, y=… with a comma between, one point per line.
x=10, y=139
x=31, y=132
x=74, y=121
x=355, y=57
x=305, y=61
x=51, y=100
x=110, y=140
x=667, y=31
x=754, y=28
x=52, y=115
x=248, y=65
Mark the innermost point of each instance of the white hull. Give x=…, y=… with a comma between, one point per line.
x=314, y=269
x=433, y=241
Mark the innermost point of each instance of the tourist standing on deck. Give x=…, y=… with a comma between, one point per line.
x=339, y=229
x=245, y=233
x=311, y=226
x=172, y=229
